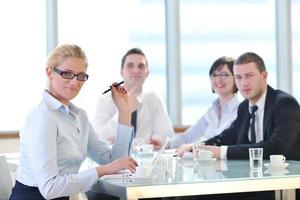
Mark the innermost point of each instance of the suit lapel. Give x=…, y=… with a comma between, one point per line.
x=246, y=128
x=245, y=124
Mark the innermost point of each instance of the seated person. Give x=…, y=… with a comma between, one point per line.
x=57, y=135
x=277, y=117
x=222, y=112
x=267, y=118
x=151, y=117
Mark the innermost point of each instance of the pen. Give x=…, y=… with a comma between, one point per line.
x=114, y=85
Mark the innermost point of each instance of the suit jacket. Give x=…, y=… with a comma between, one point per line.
x=281, y=129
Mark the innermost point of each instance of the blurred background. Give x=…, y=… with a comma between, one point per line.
x=189, y=33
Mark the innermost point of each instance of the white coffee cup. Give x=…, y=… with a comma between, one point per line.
x=205, y=155
x=143, y=171
x=147, y=148
x=277, y=159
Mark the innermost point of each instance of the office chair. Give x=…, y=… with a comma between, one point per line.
x=6, y=183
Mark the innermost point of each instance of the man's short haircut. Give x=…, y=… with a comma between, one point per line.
x=133, y=51
x=249, y=57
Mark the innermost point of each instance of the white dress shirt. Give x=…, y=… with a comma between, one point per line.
x=259, y=120
x=54, y=142
x=210, y=124
x=151, y=118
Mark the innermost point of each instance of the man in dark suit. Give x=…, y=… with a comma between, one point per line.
x=276, y=126
x=277, y=119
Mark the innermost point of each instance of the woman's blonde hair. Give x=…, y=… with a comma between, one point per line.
x=62, y=52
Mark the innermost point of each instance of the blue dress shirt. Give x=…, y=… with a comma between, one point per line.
x=54, y=142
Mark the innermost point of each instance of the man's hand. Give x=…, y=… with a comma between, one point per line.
x=155, y=141
x=216, y=150
x=184, y=148
x=111, y=140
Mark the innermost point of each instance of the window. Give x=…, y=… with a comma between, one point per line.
x=211, y=29
x=106, y=31
x=23, y=53
x=296, y=43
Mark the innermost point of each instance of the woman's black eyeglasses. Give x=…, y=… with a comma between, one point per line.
x=70, y=75
x=222, y=75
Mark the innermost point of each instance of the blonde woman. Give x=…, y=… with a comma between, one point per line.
x=58, y=136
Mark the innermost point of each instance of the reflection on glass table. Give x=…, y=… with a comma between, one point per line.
x=174, y=176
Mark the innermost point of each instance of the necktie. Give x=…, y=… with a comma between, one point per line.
x=133, y=121
x=252, y=126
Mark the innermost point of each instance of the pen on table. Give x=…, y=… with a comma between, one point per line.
x=114, y=85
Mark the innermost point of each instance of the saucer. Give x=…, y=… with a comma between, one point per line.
x=207, y=161
x=270, y=166
x=277, y=172
x=187, y=156
x=210, y=160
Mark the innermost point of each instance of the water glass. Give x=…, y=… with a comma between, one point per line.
x=256, y=173
x=256, y=158
x=197, y=147
x=169, y=165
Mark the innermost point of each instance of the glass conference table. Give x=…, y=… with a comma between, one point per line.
x=186, y=177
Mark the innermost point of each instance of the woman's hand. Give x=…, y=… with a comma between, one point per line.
x=119, y=164
x=184, y=148
x=120, y=98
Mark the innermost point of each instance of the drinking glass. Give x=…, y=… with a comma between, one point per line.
x=197, y=147
x=256, y=158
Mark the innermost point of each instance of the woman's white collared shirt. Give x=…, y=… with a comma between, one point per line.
x=54, y=142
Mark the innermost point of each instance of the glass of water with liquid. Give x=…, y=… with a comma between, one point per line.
x=256, y=158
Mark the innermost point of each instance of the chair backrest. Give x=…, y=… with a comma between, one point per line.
x=5, y=179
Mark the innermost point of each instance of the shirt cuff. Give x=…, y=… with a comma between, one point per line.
x=124, y=134
x=175, y=142
x=87, y=179
x=223, y=153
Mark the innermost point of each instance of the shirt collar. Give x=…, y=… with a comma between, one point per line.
x=73, y=109
x=54, y=104
x=230, y=105
x=260, y=103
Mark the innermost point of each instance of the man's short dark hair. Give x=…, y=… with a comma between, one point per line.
x=133, y=51
x=249, y=57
